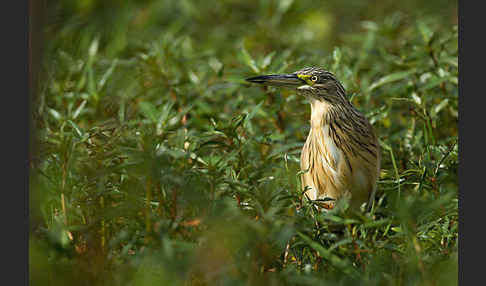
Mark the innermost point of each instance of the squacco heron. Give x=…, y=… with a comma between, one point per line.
x=341, y=156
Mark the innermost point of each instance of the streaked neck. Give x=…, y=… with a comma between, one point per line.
x=319, y=110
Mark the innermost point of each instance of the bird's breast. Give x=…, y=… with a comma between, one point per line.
x=323, y=161
x=322, y=149
x=330, y=148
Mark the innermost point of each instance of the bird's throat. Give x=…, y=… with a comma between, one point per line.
x=319, y=110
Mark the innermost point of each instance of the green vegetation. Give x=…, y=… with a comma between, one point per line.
x=156, y=164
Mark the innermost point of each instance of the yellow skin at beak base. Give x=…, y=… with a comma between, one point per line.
x=306, y=78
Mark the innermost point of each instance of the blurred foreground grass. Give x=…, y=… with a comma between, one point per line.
x=155, y=164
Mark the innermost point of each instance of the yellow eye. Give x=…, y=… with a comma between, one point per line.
x=314, y=78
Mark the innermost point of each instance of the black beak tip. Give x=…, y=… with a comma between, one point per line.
x=288, y=80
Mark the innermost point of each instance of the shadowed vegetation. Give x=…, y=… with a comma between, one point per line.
x=155, y=163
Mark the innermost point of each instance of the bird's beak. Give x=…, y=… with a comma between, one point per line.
x=290, y=80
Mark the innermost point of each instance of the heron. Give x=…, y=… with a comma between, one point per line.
x=340, y=159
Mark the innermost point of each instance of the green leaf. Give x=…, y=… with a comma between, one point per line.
x=248, y=60
x=107, y=75
x=79, y=109
x=334, y=260
x=79, y=133
x=55, y=114
x=439, y=106
x=425, y=31
x=267, y=60
x=336, y=55
x=391, y=78
x=148, y=110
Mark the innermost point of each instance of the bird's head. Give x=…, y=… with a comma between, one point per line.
x=312, y=82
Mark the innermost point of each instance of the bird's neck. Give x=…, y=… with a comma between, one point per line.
x=319, y=110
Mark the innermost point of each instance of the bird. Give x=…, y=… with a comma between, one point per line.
x=340, y=159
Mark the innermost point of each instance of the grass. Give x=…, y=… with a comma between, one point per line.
x=156, y=164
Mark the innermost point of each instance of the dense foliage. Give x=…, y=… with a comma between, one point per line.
x=156, y=164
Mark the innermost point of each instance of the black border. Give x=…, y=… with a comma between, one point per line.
x=471, y=124
x=460, y=15
x=15, y=129
x=16, y=139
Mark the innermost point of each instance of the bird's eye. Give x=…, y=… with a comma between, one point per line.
x=314, y=78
